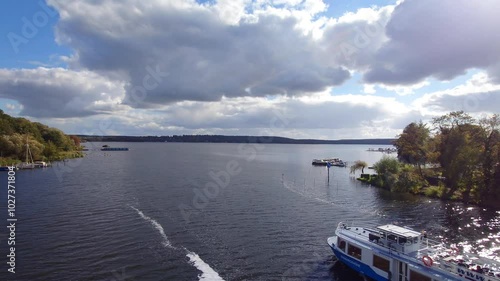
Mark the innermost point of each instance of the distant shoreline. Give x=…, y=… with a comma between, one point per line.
x=231, y=139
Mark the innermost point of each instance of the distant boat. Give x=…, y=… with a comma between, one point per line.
x=384, y=150
x=40, y=164
x=319, y=162
x=114, y=149
x=332, y=161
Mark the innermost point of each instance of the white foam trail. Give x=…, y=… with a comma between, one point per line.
x=158, y=227
x=294, y=191
x=207, y=273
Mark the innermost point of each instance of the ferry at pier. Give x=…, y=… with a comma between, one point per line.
x=395, y=253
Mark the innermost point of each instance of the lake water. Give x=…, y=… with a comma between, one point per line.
x=188, y=211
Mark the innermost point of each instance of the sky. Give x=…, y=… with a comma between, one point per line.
x=335, y=69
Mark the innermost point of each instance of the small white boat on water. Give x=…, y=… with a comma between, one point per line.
x=319, y=162
x=395, y=253
x=332, y=161
x=26, y=165
x=41, y=164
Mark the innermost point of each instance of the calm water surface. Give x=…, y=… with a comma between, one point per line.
x=181, y=211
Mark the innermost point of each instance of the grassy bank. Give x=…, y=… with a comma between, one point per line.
x=9, y=161
x=437, y=190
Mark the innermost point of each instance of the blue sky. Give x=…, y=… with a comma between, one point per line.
x=41, y=48
x=234, y=67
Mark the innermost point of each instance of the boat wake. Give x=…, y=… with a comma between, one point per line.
x=207, y=273
x=158, y=227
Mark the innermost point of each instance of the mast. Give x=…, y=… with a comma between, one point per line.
x=27, y=149
x=28, y=152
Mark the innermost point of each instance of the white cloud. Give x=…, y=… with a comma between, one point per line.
x=313, y=117
x=58, y=92
x=205, y=57
x=354, y=39
x=231, y=11
x=477, y=95
x=405, y=90
x=369, y=89
x=231, y=67
x=441, y=40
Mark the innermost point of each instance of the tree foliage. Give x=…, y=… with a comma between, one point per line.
x=413, y=144
x=387, y=170
x=45, y=143
x=465, y=150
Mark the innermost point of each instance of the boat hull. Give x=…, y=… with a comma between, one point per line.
x=356, y=265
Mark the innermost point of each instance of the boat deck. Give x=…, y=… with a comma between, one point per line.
x=448, y=259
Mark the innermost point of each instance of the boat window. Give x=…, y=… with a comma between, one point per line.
x=381, y=263
x=392, y=238
x=354, y=251
x=342, y=245
x=402, y=240
x=373, y=237
x=415, y=276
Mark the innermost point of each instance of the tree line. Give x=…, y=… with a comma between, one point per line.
x=453, y=157
x=229, y=139
x=45, y=143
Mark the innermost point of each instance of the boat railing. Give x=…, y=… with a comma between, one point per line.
x=443, y=257
x=427, y=246
x=392, y=247
x=430, y=247
x=466, y=268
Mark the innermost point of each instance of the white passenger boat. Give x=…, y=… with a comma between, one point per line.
x=395, y=253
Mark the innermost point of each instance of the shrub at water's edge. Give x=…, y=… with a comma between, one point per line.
x=45, y=143
x=460, y=161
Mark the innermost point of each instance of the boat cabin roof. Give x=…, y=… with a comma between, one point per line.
x=399, y=231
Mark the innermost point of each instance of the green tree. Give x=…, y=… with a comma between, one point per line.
x=387, y=170
x=50, y=151
x=491, y=158
x=43, y=140
x=409, y=180
x=413, y=145
x=461, y=148
x=7, y=147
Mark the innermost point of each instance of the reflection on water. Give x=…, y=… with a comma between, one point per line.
x=270, y=222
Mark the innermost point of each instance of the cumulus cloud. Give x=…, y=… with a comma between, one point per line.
x=318, y=115
x=58, y=92
x=405, y=90
x=353, y=39
x=199, y=56
x=232, y=67
x=440, y=39
x=477, y=95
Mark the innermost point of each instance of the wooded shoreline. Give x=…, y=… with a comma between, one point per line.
x=462, y=153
